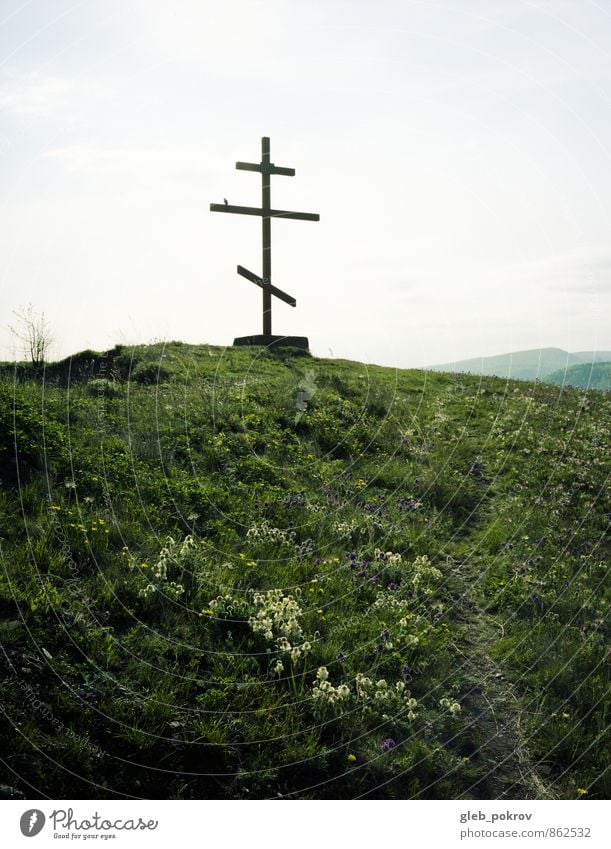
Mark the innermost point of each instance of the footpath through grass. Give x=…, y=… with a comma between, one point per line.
x=237, y=574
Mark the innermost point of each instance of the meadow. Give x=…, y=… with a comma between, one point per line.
x=237, y=573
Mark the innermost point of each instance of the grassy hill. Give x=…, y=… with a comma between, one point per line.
x=586, y=376
x=229, y=573
x=525, y=365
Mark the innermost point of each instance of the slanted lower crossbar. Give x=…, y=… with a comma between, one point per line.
x=259, y=281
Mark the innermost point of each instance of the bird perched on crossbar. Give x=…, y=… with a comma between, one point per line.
x=225, y=199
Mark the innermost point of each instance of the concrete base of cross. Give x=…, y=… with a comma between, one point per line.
x=275, y=341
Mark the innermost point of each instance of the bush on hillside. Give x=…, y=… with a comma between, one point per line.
x=150, y=373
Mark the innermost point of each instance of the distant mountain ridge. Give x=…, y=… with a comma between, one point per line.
x=525, y=365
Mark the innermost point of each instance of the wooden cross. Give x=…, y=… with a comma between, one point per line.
x=266, y=168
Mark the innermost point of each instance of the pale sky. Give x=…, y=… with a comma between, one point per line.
x=458, y=153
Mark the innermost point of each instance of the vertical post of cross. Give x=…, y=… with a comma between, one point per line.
x=267, y=236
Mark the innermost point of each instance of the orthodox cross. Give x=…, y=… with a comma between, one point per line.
x=266, y=168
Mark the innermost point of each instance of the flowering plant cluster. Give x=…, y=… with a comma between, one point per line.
x=453, y=707
x=324, y=693
x=396, y=601
x=277, y=620
x=166, y=568
x=226, y=606
x=391, y=602
x=423, y=575
x=173, y=553
x=393, y=697
x=265, y=533
x=345, y=529
x=170, y=589
x=391, y=557
x=379, y=699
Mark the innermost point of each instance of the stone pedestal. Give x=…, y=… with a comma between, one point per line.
x=276, y=341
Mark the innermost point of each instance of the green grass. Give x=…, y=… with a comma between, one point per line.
x=208, y=592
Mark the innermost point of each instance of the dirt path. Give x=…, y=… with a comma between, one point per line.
x=498, y=724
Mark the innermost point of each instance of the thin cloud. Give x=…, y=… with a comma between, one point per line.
x=587, y=272
x=132, y=163
x=34, y=94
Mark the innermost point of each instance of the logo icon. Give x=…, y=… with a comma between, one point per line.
x=32, y=822
x=307, y=389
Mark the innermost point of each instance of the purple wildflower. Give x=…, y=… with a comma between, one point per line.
x=393, y=587
x=385, y=635
x=340, y=657
x=388, y=744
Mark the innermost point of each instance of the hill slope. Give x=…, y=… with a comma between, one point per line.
x=525, y=365
x=236, y=574
x=586, y=376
